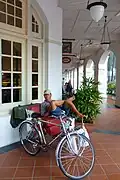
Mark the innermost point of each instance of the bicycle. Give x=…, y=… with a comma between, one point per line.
x=70, y=149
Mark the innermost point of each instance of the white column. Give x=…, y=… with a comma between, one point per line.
x=73, y=77
x=96, y=58
x=77, y=77
x=102, y=78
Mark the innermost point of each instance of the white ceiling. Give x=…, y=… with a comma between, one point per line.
x=78, y=24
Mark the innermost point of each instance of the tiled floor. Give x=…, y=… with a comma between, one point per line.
x=17, y=165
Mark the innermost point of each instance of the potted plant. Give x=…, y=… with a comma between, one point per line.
x=88, y=99
x=111, y=88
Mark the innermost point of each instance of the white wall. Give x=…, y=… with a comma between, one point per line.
x=55, y=70
x=54, y=17
x=9, y=135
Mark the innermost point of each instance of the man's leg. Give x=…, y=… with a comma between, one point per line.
x=56, y=103
x=69, y=103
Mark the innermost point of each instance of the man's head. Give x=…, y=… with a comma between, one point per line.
x=47, y=95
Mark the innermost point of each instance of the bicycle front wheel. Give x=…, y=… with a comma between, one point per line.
x=76, y=162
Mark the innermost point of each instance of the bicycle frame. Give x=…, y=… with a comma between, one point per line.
x=41, y=132
x=65, y=131
x=39, y=121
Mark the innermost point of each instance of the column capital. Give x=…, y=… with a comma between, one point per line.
x=97, y=55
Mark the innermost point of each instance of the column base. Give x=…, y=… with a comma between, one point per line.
x=117, y=106
x=117, y=103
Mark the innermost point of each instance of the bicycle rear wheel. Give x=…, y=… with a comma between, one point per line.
x=75, y=164
x=29, y=137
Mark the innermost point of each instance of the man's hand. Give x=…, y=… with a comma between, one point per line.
x=81, y=115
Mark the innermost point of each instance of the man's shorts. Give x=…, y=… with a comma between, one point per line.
x=60, y=110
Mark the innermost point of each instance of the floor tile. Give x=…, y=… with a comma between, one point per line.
x=7, y=172
x=7, y=179
x=114, y=177
x=42, y=161
x=22, y=178
x=59, y=178
x=110, y=169
x=53, y=161
x=97, y=170
x=41, y=171
x=100, y=153
x=104, y=160
x=24, y=172
x=116, y=158
x=26, y=162
x=99, y=177
x=2, y=158
x=11, y=161
x=15, y=153
x=42, y=178
x=57, y=172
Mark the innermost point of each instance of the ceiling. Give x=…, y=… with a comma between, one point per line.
x=78, y=24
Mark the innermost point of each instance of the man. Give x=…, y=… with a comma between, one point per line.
x=46, y=104
x=56, y=107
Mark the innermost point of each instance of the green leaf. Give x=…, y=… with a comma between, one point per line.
x=88, y=99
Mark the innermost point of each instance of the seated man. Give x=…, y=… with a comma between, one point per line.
x=56, y=107
x=46, y=104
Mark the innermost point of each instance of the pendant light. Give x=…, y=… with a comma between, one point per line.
x=96, y=9
x=81, y=56
x=105, y=41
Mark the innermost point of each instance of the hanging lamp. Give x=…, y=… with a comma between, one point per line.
x=96, y=9
x=105, y=41
x=81, y=56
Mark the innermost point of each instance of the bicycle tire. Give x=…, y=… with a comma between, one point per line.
x=58, y=152
x=37, y=133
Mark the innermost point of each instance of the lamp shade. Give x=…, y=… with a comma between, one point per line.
x=105, y=46
x=81, y=61
x=97, y=12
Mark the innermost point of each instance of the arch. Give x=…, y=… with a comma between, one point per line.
x=40, y=15
x=39, y=11
x=90, y=63
x=104, y=56
x=107, y=72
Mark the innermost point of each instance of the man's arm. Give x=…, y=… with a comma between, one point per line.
x=56, y=103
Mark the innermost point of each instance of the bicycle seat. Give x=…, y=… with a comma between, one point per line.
x=36, y=115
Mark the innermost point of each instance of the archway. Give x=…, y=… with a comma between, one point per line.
x=90, y=69
x=107, y=73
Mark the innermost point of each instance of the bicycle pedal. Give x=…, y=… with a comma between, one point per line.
x=44, y=148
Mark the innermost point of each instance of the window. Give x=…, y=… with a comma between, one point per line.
x=11, y=71
x=11, y=12
x=21, y=63
x=35, y=73
x=35, y=26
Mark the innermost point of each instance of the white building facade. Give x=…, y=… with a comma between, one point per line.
x=30, y=55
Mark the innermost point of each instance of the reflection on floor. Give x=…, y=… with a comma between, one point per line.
x=17, y=165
